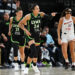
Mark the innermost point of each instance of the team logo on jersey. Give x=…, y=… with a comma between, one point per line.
x=35, y=21
x=67, y=22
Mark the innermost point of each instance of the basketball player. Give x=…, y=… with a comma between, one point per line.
x=66, y=24
x=33, y=22
x=17, y=38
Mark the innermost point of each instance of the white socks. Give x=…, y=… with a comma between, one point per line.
x=73, y=63
x=66, y=60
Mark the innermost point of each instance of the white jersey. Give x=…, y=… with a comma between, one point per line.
x=68, y=26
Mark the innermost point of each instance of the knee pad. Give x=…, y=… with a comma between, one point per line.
x=32, y=51
x=36, y=52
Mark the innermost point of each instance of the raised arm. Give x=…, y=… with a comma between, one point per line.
x=24, y=22
x=50, y=17
x=58, y=30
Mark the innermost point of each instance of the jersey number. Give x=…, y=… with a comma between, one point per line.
x=17, y=29
x=36, y=26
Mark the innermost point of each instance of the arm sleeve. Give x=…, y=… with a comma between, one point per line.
x=49, y=17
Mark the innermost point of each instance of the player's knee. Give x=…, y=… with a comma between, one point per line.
x=32, y=48
x=36, y=54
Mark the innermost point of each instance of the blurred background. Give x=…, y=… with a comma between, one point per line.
x=47, y=6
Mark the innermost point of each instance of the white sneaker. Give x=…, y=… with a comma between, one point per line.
x=35, y=68
x=16, y=67
x=22, y=67
x=26, y=70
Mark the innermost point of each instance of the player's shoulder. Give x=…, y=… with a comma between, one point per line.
x=11, y=18
x=73, y=17
x=62, y=18
x=28, y=16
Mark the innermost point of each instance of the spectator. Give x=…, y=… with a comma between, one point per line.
x=4, y=4
x=17, y=4
x=2, y=51
x=4, y=27
x=54, y=51
x=45, y=55
x=1, y=44
x=43, y=38
x=53, y=32
x=50, y=40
